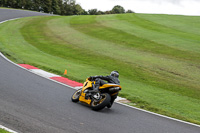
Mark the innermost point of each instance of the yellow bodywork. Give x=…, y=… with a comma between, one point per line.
x=109, y=85
x=88, y=84
x=82, y=99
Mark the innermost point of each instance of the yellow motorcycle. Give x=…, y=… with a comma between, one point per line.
x=97, y=100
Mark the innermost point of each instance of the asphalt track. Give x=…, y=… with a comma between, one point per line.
x=32, y=104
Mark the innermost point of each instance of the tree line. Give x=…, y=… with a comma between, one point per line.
x=116, y=10
x=60, y=7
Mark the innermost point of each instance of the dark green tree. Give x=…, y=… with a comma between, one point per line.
x=46, y=5
x=22, y=3
x=5, y=2
x=36, y=5
x=55, y=7
x=118, y=9
x=69, y=7
x=1, y=3
x=84, y=12
x=130, y=11
x=29, y=5
x=108, y=12
x=93, y=12
x=61, y=6
x=78, y=10
x=100, y=13
x=12, y=3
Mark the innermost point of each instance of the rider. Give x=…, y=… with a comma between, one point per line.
x=112, y=78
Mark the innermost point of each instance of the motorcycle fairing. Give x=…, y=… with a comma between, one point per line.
x=109, y=86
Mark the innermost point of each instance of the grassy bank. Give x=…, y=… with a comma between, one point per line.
x=158, y=56
x=3, y=131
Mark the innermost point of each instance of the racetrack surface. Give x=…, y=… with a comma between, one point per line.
x=32, y=104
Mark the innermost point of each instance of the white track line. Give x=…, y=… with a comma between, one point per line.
x=7, y=129
x=8, y=20
x=3, y=127
x=116, y=102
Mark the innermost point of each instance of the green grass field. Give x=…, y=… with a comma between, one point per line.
x=158, y=56
x=3, y=131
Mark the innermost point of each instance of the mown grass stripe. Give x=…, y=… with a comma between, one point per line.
x=169, y=40
x=154, y=80
x=120, y=37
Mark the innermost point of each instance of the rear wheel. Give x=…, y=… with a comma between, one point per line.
x=76, y=95
x=100, y=104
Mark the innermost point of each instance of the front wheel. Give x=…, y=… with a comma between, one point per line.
x=76, y=95
x=100, y=104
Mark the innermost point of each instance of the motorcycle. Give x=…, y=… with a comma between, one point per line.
x=97, y=100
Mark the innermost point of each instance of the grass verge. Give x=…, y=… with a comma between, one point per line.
x=158, y=60
x=3, y=131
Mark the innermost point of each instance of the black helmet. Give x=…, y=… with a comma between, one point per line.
x=114, y=74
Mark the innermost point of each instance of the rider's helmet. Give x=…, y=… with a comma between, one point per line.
x=114, y=74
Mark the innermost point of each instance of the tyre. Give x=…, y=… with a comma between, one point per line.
x=98, y=105
x=76, y=95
